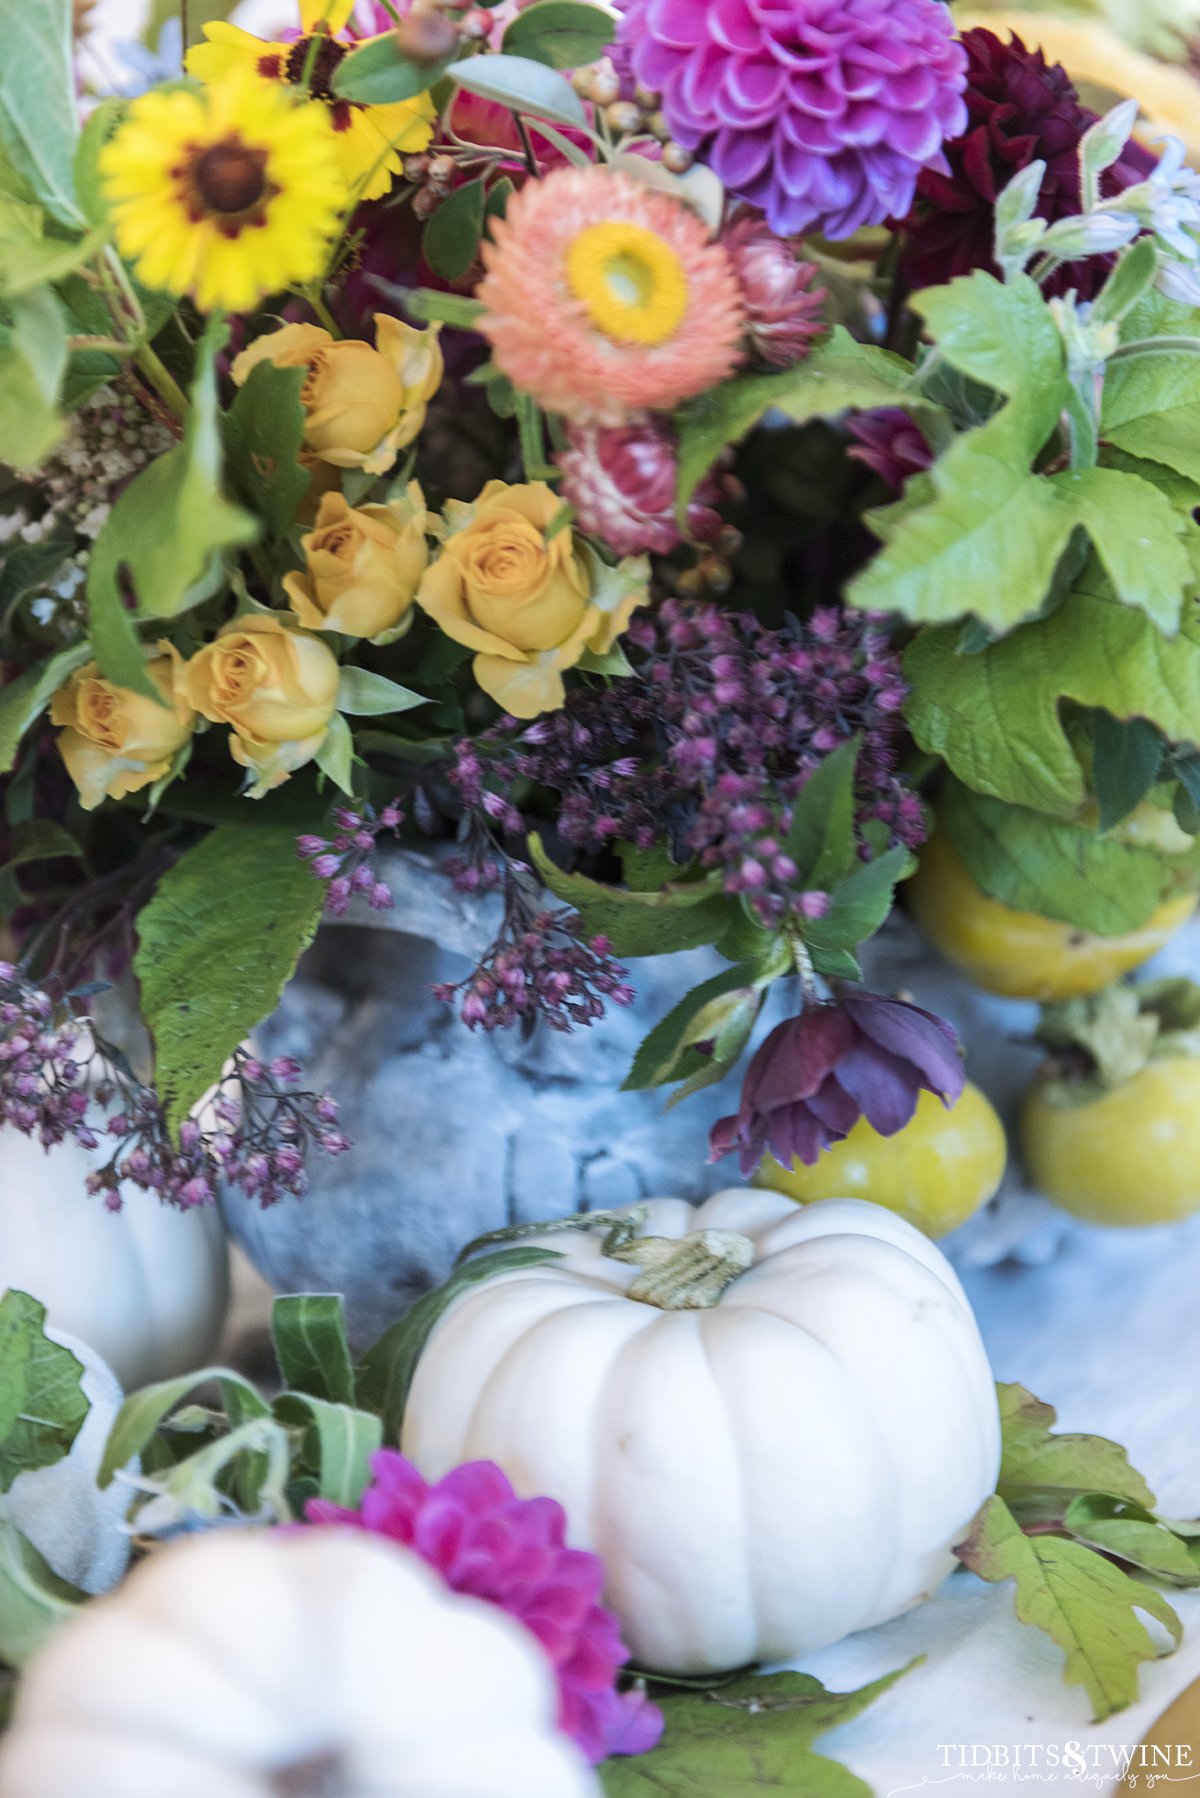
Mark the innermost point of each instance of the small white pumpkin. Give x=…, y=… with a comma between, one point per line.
x=76, y=1527
x=322, y=1664
x=145, y=1286
x=788, y=1457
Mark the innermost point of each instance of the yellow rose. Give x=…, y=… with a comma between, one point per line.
x=530, y=603
x=364, y=563
x=276, y=689
x=362, y=405
x=115, y=741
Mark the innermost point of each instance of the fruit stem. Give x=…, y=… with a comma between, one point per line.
x=687, y=1273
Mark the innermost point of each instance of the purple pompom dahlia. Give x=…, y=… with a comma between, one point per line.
x=859, y=1055
x=822, y=113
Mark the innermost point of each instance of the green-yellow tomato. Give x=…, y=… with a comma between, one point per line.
x=1131, y=1156
x=1019, y=953
x=936, y=1172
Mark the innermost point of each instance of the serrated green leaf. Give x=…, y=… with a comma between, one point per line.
x=42, y=1406
x=1151, y=408
x=1002, y=334
x=1085, y=1604
x=344, y=1438
x=367, y=695
x=264, y=434
x=731, y=997
x=525, y=86
x=142, y=1414
x=841, y=375
x=683, y=915
x=820, y=838
x=308, y=1330
x=1126, y=757
x=33, y=1600
x=387, y=1370
x=564, y=34
x=240, y=905
x=1132, y=1534
x=750, y=1734
x=39, y=119
x=1037, y=1462
x=168, y=530
x=1035, y=863
x=451, y=239
x=994, y=717
x=859, y=904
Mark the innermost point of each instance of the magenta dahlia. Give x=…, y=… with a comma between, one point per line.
x=821, y=113
x=858, y=1055
x=1021, y=109
x=622, y=483
x=783, y=303
x=485, y=1541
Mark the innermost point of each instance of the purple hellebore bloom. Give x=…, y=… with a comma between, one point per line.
x=822, y=113
x=858, y=1055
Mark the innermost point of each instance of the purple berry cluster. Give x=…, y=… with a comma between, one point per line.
x=60, y=1081
x=349, y=860
x=709, y=743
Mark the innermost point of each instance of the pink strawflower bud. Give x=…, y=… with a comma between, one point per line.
x=783, y=304
x=622, y=483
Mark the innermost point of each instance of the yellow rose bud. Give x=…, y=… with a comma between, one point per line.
x=362, y=406
x=363, y=566
x=276, y=688
x=531, y=602
x=115, y=741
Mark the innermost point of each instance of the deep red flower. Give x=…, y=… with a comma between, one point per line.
x=889, y=442
x=1021, y=109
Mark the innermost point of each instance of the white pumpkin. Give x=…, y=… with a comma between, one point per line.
x=788, y=1462
x=145, y=1286
x=324, y=1664
x=76, y=1527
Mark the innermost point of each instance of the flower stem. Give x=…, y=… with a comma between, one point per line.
x=150, y=364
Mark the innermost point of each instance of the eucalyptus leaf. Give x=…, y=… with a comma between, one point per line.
x=379, y=74
x=523, y=85
x=451, y=239
x=564, y=34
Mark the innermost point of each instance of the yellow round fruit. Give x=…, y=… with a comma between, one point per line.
x=936, y=1172
x=1130, y=1157
x=1019, y=953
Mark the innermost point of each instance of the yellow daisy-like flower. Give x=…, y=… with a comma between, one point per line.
x=370, y=139
x=226, y=195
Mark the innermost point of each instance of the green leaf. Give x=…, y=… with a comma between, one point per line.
x=525, y=86
x=682, y=915
x=309, y=1333
x=33, y=1600
x=1126, y=757
x=1058, y=870
x=27, y=567
x=379, y=74
x=1083, y=1603
x=101, y=123
x=386, y=1372
x=138, y=1420
x=42, y=1406
x=33, y=359
x=39, y=840
x=451, y=240
x=39, y=263
x=1001, y=333
x=242, y=907
x=720, y=1011
x=24, y=700
x=168, y=529
x=335, y=758
x=820, y=839
x=564, y=34
x=38, y=108
x=858, y=905
x=994, y=717
x=841, y=375
x=368, y=695
x=750, y=1734
x=345, y=1440
x=1037, y=1463
x=264, y=434
x=1132, y=1534
x=1151, y=408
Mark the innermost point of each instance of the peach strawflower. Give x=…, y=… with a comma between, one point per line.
x=603, y=297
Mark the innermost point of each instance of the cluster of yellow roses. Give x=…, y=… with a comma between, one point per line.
x=508, y=583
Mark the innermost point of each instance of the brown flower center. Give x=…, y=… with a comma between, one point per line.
x=230, y=178
x=325, y=58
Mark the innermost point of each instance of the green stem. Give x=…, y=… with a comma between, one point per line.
x=151, y=365
x=324, y=315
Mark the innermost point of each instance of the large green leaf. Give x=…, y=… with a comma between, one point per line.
x=26, y=698
x=1133, y=1534
x=167, y=530
x=681, y=915
x=42, y=1406
x=264, y=434
x=751, y=1734
x=995, y=716
x=1151, y=408
x=1035, y=863
x=839, y=376
x=216, y=945
x=1084, y=1603
x=39, y=117
x=33, y=360
x=1002, y=334
x=1039, y=1464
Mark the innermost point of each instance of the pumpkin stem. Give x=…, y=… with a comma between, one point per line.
x=687, y=1273
x=621, y=1225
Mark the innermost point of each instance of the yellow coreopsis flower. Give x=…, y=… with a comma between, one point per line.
x=370, y=139
x=226, y=195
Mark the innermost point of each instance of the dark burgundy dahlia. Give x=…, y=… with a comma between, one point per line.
x=857, y=1055
x=1021, y=109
